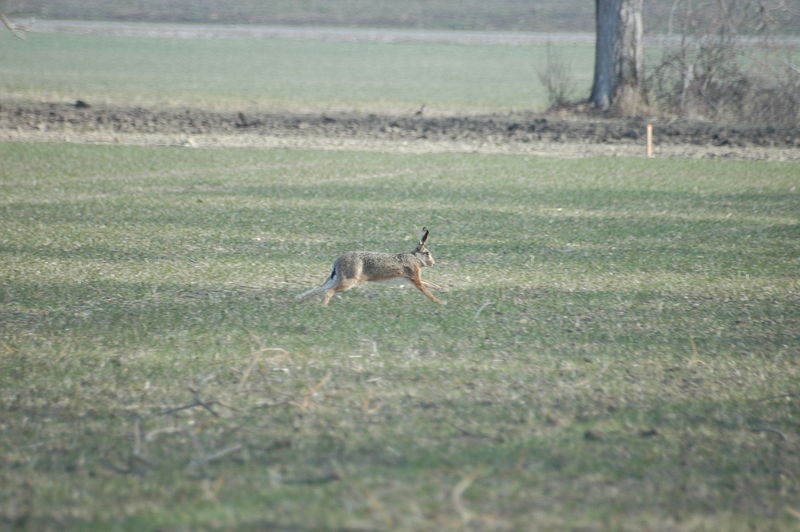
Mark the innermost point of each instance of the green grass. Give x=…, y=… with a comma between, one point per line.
x=545, y=15
x=277, y=74
x=618, y=351
x=542, y=15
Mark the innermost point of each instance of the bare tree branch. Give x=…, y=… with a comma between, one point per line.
x=11, y=27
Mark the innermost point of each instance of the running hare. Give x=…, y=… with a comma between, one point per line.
x=356, y=266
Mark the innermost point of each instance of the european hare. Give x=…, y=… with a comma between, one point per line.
x=357, y=266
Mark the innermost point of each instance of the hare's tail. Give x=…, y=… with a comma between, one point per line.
x=329, y=283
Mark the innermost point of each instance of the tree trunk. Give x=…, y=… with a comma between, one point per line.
x=619, y=57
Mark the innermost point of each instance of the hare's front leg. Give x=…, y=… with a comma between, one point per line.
x=420, y=284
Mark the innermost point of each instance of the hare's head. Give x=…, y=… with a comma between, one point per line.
x=422, y=249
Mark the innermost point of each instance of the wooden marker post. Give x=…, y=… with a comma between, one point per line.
x=649, y=140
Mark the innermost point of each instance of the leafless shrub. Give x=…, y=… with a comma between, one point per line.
x=557, y=78
x=727, y=65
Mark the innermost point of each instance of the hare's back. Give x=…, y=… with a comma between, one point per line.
x=370, y=265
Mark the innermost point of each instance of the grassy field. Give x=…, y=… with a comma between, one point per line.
x=514, y=15
x=619, y=349
x=279, y=74
x=543, y=15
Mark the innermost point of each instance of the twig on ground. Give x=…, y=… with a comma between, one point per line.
x=196, y=402
x=780, y=434
x=323, y=479
x=210, y=491
x=480, y=309
x=255, y=360
x=308, y=397
x=457, y=493
x=471, y=434
x=137, y=437
x=225, y=451
x=135, y=465
x=779, y=396
x=201, y=458
x=151, y=436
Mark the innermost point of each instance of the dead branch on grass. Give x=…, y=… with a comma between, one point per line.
x=307, y=402
x=470, y=434
x=769, y=430
x=137, y=463
x=255, y=360
x=196, y=402
x=137, y=437
x=151, y=436
x=456, y=496
x=322, y=479
x=210, y=492
x=203, y=458
x=480, y=309
x=134, y=465
x=262, y=348
x=223, y=452
x=199, y=460
x=781, y=396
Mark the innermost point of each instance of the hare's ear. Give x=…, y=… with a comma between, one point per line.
x=424, y=238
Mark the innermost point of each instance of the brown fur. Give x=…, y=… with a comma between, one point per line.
x=355, y=267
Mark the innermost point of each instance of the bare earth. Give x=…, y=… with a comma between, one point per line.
x=564, y=136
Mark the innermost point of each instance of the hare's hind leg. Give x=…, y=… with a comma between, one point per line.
x=341, y=286
x=328, y=295
x=308, y=293
x=329, y=282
